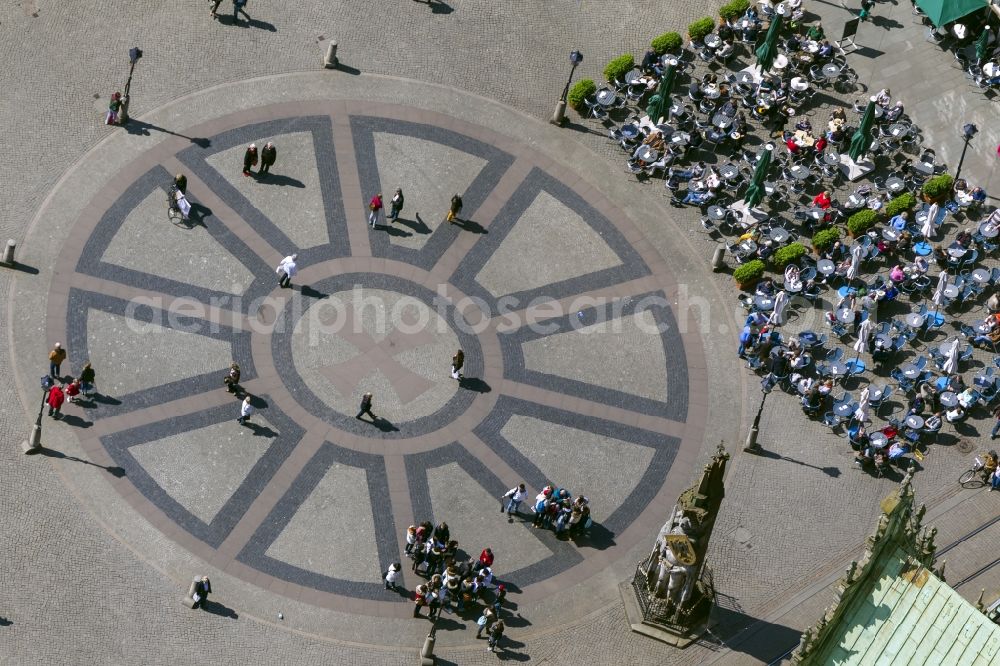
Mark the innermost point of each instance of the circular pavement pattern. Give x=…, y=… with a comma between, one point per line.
x=575, y=371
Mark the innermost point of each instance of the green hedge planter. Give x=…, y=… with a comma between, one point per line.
x=668, y=42
x=749, y=273
x=619, y=67
x=700, y=28
x=902, y=203
x=789, y=254
x=938, y=187
x=580, y=91
x=822, y=241
x=733, y=10
x=859, y=223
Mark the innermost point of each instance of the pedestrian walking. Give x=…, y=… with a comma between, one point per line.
x=87, y=378
x=366, y=407
x=484, y=621
x=392, y=575
x=114, y=106
x=286, y=270
x=56, y=357
x=512, y=499
x=433, y=604
x=215, y=8
x=246, y=410
x=267, y=157
x=496, y=633
x=238, y=6
x=249, y=157
x=455, y=209
x=181, y=183
x=202, y=589
x=232, y=378
x=55, y=401
x=485, y=559
x=395, y=205
x=457, y=361
x=866, y=9
x=374, y=206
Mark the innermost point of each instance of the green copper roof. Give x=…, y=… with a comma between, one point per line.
x=909, y=617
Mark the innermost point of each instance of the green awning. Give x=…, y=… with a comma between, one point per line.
x=941, y=12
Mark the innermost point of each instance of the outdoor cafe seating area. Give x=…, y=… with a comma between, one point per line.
x=886, y=331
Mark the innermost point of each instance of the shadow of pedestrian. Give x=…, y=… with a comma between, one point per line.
x=418, y=226
x=51, y=453
x=277, y=179
x=832, y=472
x=261, y=431
x=105, y=399
x=4, y=622
x=75, y=421
x=258, y=402
x=384, y=425
x=215, y=608
x=517, y=620
x=598, y=537
x=393, y=230
x=309, y=292
x=474, y=384
x=470, y=226
x=142, y=128
x=438, y=7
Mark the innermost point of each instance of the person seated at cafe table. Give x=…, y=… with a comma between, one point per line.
x=964, y=238
x=651, y=63
x=897, y=274
x=825, y=51
x=883, y=97
x=968, y=397
x=751, y=31
x=940, y=256
x=822, y=200
x=698, y=198
x=655, y=141
x=895, y=112
x=812, y=401
x=955, y=414
x=815, y=32
x=804, y=125
x=992, y=335
x=916, y=405
x=900, y=221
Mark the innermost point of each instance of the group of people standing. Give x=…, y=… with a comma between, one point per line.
x=70, y=388
x=375, y=205
x=468, y=583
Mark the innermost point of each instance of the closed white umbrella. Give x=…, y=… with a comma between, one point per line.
x=864, y=333
x=929, y=228
x=861, y=413
x=780, y=305
x=951, y=363
x=855, y=267
x=938, y=297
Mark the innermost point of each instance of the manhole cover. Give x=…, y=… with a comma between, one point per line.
x=965, y=446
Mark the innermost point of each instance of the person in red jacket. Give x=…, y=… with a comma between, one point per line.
x=485, y=559
x=55, y=401
x=822, y=200
x=73, y=390
x=374, y=206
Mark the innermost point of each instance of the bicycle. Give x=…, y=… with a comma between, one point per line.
x=975, y=477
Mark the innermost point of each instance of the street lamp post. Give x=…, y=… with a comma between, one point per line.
x=134, y=54
x=559, y=117
x=34, y=442
x=968, y=131
x=751, y=445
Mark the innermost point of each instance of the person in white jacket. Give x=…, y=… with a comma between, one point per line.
x=286, y=270
x=246, y=410
x=512, y=499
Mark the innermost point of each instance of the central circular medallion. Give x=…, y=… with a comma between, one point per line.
x=380, y=334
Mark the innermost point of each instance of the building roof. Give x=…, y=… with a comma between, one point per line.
x=907, y=616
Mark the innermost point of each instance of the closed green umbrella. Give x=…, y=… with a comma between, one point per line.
x=982, y=44
x=862, y=139
x=655, y=108
x=755, y=193
x=767, y=51
x=667, y=83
